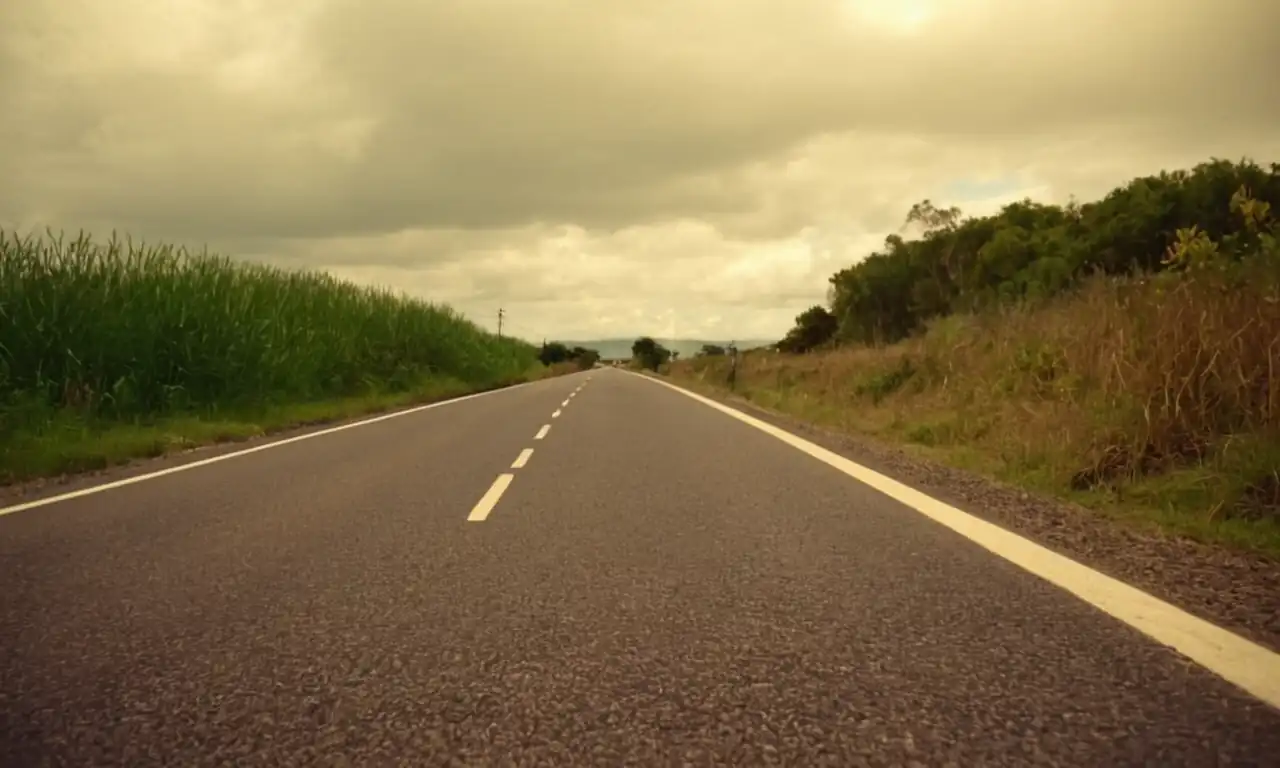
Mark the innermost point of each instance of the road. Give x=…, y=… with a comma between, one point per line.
x=658, y=584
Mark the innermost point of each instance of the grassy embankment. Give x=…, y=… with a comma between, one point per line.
x=1153, y=399
x=113, y=351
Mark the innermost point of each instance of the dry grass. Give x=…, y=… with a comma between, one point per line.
x=1154, y=398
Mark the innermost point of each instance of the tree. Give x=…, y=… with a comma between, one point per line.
x=1032, y=251
x=711, y=350
x=814, y=327
x=931, y=218
x=586, y=358
x=556, y=352
x=649, y=353
x=553, y=353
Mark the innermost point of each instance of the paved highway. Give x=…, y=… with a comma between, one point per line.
x=654, y=582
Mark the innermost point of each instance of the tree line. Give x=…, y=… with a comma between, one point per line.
x=1031, y=251
x=650, y=354
x=556, y=352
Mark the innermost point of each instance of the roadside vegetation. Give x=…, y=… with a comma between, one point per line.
x=115, y=350
x=647, y=354
x=560, y=357
x=1124, y=353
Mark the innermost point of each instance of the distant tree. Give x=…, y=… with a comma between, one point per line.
x=554, y=352
x=711, y=350
x=557, y=352
x=587, y=358
x=814, y=327
x=649, y=353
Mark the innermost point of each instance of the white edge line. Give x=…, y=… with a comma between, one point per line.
x=522, y=459
x=245, y=452
x=565, y=404
x=542, y=432
x=490, y=498
x=1248, y=665
x=556, y=415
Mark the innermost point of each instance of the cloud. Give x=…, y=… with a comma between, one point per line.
x=587, y=162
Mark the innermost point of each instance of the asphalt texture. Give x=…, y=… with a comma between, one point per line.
x=660, y=585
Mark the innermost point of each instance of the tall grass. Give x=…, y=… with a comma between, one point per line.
x=1158, y=393
x=118, y=331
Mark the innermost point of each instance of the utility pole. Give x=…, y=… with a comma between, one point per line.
x=499, y=322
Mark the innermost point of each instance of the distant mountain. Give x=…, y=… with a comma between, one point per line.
x=611, y=349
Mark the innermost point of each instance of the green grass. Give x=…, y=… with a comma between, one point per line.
x=69, y=443
x=114, y=350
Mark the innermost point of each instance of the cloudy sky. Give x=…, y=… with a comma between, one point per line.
x=605, y=167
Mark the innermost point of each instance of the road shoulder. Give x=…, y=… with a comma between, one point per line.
x=1237, y=591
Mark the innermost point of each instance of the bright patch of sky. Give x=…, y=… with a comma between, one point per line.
x=902, y=16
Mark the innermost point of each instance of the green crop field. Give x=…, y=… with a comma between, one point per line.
x=110, y=349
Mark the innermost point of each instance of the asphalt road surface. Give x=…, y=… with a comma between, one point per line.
x=656, y=584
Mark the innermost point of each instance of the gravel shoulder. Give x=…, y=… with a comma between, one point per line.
x=1237, y=591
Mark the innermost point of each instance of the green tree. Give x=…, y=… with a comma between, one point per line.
x=557, y=352
x=1031, y=251
x=586, y=358
x=931, y=218
x=553, y=353
x=814, y=327
x=649, y=353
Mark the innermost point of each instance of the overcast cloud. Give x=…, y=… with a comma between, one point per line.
x=697, y=167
